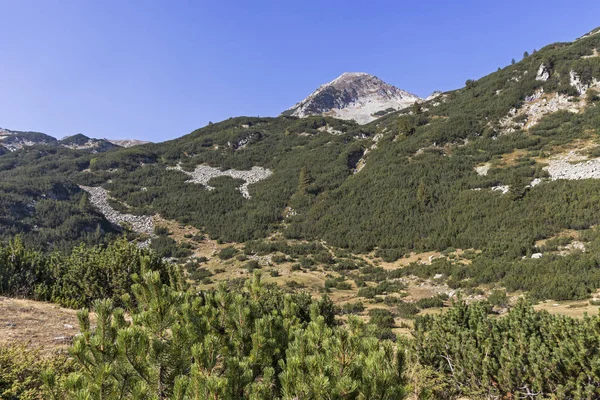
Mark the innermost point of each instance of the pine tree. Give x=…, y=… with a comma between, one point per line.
x=422, y=195
x=405, y=126
x=251, y=344
x=304, y=181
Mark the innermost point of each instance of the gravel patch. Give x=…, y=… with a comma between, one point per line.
x=204, y=173
x=99, y=199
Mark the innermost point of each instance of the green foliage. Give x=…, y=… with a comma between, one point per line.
x=384, y=321
x=406, y=309
x=252, y=265
x=77, y=279
x=559, y=277
x=498, y=298
x=431, y=302
x=22, y=372
x=165, y=246
x=352, y=308
x=337, y=283
x=227, y=252
x=519, y=355
x=254, y=343
x=382, y=288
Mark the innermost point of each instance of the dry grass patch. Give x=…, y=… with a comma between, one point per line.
x=575, y=309
x=39, y=325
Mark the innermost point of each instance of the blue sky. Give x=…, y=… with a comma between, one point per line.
x=156, y=70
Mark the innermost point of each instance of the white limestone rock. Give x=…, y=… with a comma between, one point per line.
x=204, y=173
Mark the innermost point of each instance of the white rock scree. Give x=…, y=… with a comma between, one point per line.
x=204, y=173
x=99, y=199
x=563, y=167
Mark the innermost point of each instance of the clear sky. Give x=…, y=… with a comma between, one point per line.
x=156, y=70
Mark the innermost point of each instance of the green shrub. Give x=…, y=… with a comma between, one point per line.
x=279, y=259
x=407, y=310
x=22, y=371
x=352, y=308
x=498, y=298
x=78, y=278
x=431, y=302
x=161, y=230
x=227, y=253
x=252, y=265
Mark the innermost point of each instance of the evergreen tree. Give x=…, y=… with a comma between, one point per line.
x=304, y=180
x=423, y=197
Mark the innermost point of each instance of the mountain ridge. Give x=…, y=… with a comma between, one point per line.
x=12, y=140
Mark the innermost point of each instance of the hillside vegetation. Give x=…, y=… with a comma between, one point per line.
x=256, y=342
x=404, y=183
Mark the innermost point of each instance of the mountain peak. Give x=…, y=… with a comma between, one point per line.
x=355, y=96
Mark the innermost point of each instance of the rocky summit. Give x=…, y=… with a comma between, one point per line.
x=354, y=96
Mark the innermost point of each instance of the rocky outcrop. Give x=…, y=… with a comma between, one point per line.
x=433, y=95
x=536, y=107
x=353, y=96
x=543, y=73
x=204, y=173
x=126, y=142
x=362, y=162
x=138, y=223
x=579, y=85
x=483, y=169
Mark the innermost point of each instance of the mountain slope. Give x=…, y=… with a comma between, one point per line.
x=82, y=142
x=15, y=140
x=127, y=142
x=354, y=96
x=474, y=168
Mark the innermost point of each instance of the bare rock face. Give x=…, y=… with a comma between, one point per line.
x=354, y=96
x=581, y=86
